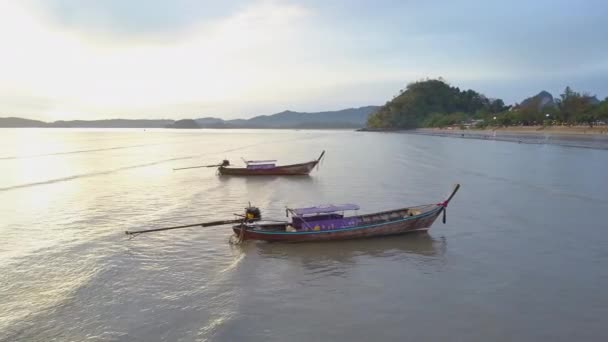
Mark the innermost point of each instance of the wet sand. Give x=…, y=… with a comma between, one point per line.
x=584, y=137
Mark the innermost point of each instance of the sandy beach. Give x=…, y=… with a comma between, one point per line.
x=576, y=136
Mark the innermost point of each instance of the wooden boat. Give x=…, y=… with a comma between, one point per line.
x=324, y=223
x=268, y=168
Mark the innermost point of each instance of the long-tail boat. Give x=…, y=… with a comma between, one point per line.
x=322, y=223
x=262, y=168
x=268, y=168
x=328, y=222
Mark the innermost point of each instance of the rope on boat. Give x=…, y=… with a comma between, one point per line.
x=444, y=204
x=242, y=233
x=320, y=160
x=293, y=214
x=238, y=239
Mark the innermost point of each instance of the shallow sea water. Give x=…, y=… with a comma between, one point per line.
x=523, y=255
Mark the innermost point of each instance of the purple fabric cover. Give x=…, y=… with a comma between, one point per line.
x=329, y=208
x=339, y=223
x=260, y=161
x=260, y=166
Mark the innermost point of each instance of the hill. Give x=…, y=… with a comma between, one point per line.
x=13, y=122
x=112, y=123
x=434, y=103
x=211, y=122
x=348, y=117
x=539, y=101
x=431, y=102
x=185, y=123
x=345, y=118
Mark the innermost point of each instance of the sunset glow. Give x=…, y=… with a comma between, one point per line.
x=62, y=60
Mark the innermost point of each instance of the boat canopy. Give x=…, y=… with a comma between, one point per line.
x=259, y=161
x=324, y=209
x=260, y=166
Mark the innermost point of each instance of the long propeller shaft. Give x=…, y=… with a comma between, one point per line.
x=195, y=167
x=204, y=224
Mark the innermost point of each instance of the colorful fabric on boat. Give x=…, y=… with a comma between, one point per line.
x=321, y=209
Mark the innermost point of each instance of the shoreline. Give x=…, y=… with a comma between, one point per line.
x=582, y=137
x=560, y=130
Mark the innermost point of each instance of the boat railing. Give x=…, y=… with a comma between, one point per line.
x=391, y=215
x=273, y=161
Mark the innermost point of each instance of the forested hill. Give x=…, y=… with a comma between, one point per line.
x=424, y=102
x=434, y=103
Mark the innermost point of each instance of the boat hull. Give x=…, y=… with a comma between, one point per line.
x=410, y=224
x=286, y=170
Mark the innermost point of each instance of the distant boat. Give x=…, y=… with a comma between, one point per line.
x=268, y=168
x=323, y=223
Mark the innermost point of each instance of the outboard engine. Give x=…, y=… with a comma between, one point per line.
x=253, y=213
x=225, y=162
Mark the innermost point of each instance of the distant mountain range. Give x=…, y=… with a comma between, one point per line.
x=14, y=122
x=346, y=118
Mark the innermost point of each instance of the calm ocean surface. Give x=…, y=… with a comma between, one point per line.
x=523, y=256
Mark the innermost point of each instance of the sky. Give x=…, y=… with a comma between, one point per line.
x=90, y=59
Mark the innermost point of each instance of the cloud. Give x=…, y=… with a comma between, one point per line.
x=240, y=56
x=117, y=58
x=266, y=52
x=140, y=18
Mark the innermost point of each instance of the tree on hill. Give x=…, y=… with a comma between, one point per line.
x=571, y=108
x=427, y=102
x=497, y=106
x=601, y=112
x=576, y=108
